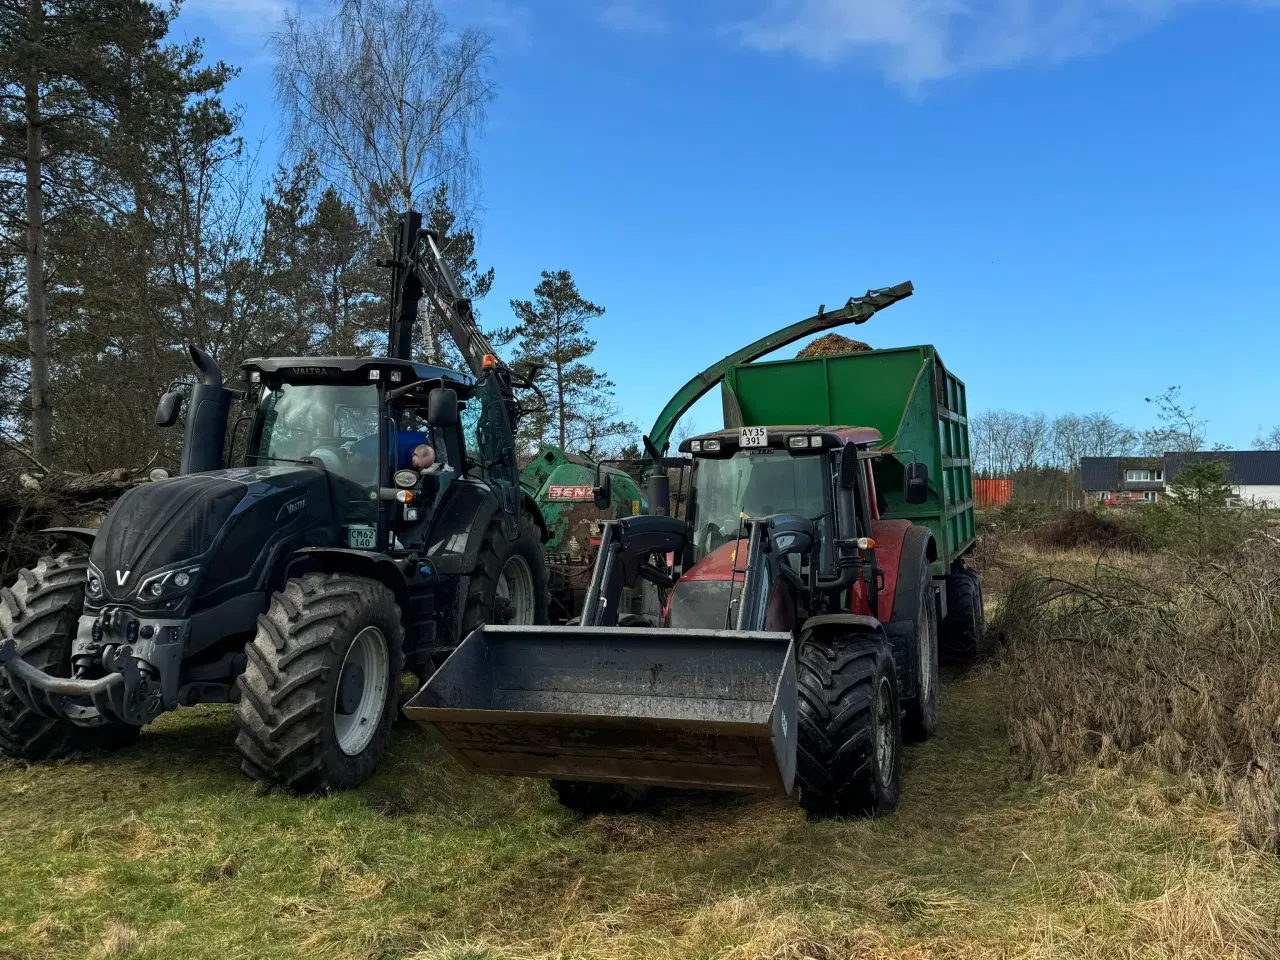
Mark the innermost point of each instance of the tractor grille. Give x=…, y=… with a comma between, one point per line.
x=157, y=524
x=701, y=604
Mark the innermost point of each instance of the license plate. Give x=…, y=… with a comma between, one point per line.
x=753, y=437
x=360, y=537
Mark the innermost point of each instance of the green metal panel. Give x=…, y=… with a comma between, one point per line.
x=551, y=467
x=907, y=394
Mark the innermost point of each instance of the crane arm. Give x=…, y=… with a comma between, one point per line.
x=856, y=310
x=420, y=270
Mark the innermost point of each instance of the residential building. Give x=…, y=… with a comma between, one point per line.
x=1114, y=479
x=1255, y=475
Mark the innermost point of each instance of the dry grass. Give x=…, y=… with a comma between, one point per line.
x=1153, y=663
x=164, y=851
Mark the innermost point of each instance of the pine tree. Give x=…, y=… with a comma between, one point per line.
x=551, y=331
x=88, y=88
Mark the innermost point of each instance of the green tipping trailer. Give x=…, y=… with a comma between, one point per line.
x=908, y=395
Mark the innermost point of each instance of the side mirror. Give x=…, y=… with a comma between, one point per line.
x=849, y=466
x=442, y=407
x=917, y=482
x=167, y=409
x=603, y=494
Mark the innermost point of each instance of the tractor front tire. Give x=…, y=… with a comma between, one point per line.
x=849, y=758
x=318, y=694
x=40, y=613
x=963, y=634
x=920, y=718
x=509, y=582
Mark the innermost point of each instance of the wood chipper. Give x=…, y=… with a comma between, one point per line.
x=794, y=644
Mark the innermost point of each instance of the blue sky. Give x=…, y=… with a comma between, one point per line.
x=1085, y=194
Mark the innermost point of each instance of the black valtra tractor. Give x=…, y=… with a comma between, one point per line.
x=301, y=581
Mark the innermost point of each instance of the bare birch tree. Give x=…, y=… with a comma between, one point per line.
x=387, y=99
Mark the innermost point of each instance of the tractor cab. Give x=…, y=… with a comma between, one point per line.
x=792, y=475
x=392, y=437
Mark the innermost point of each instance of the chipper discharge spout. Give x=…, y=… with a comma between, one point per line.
x=703, y=708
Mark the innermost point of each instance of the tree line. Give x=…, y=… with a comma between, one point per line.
x=1005, y=443
x=135, y=219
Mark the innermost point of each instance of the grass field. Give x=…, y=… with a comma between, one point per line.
x=165, y=851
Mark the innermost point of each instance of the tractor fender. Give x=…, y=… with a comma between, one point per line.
x=360, y=563
x=901, y=546
x=85, y=535
x=462, y=518
x=917, y=544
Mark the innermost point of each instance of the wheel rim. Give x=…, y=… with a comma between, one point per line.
x=355, y=730
x=928, y=649
x=515, y=592
x=884, y=731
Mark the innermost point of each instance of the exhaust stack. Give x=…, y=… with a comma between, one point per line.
x=207, y=412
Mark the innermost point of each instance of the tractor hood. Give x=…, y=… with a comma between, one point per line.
x=220, y=522
x=702, y=595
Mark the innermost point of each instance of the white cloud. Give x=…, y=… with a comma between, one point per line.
x=504, y=19
x=248, y=18
x=630, y=16
x=919, y=40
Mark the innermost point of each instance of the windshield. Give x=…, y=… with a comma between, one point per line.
x=337, y=425
x=759, y=484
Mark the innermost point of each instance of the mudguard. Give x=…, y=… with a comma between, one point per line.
x=462, y=518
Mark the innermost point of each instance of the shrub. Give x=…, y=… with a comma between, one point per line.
x=1092, y=530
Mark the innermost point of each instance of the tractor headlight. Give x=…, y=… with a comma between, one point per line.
x=94, y=585
x=171, y=583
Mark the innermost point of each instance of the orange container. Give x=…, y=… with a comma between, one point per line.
x=991, y=492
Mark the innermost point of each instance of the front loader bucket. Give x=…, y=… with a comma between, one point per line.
x=714, y=709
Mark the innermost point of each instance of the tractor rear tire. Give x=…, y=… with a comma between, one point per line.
x=40, y=613
x=312, y=718
x=963, y=634
x=849, y=758
x=920, y=717
x=587, y=798
x=524, y=563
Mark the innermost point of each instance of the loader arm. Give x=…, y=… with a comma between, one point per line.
x=856, y=310
x=419, y=270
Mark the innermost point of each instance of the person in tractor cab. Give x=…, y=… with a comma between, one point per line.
x=408, y=443
x=424, y=456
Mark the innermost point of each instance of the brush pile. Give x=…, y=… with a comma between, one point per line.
x=1156, y=663
x=31, y=500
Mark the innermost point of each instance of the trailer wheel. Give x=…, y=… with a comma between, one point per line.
x=40, y=613
x=963, y=632
x=849, y=756
x=318, y=694
x=920, y=719
x=509, y=583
